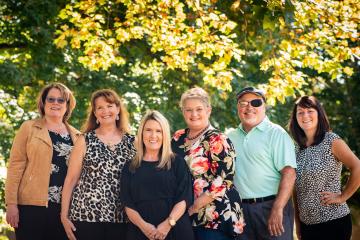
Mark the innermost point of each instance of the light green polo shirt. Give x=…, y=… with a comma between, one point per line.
x=260, y=156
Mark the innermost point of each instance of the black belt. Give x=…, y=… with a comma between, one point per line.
x=258, y=200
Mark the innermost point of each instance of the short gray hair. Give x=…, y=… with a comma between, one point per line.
x=195, y=93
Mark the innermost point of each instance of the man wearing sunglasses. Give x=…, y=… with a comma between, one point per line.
x=264, y=170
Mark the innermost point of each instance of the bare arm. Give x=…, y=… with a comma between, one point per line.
x=72, y=177
x=286, y=186
x=344, y=154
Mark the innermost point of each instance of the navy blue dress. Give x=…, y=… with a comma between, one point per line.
x=153, y=192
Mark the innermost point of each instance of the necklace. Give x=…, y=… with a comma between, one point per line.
x=197, y=135
x=111, y=146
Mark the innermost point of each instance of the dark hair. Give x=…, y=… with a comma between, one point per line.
x=65, y=92
x=323, y=123
x=111, y=97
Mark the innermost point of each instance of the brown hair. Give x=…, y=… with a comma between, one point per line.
x=111, y=97
x=323, y=123
x=65, y=92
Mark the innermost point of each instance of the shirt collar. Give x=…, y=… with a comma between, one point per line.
x=261, y=126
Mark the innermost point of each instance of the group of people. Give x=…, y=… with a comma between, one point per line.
x=200, y=184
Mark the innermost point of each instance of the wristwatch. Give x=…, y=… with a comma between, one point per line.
x=172, y=222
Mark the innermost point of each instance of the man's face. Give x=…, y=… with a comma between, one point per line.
x=249, y=111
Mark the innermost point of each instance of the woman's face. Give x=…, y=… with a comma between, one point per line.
x=307, y=118
x=105, y=112
x=196, y=114
x=55, y=104
x=152, y=136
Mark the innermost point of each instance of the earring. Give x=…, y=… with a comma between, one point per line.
x=117, y=117
x=97, y=121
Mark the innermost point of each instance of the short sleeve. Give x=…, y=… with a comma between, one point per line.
x=125, y=190
x=184, y=189
x=283, y=150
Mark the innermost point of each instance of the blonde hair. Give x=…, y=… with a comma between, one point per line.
x=111, y=97
x=165, y=155
x=66, y=94
x=195, y=93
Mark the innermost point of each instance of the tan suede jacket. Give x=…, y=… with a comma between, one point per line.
x=29, y=167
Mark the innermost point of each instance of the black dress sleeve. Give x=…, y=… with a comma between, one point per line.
x=125, y=190
x=184, y=189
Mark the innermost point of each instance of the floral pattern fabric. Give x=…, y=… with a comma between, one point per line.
x=211, y=160
x=62, y=146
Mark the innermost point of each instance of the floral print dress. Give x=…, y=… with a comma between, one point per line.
x=211, y=160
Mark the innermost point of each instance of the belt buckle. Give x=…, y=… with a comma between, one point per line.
x=254, y=199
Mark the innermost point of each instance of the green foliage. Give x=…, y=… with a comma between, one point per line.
x=150, y=52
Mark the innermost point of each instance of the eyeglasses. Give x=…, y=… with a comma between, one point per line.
x=53, y=100
x=253, y=103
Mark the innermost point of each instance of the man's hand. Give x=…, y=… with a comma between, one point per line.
x=275, y=222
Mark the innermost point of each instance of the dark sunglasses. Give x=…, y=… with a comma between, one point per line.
x=53, y=99
x=253, y=103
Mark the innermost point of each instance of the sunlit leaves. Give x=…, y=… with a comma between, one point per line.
x=182, y=34
x=322, y=38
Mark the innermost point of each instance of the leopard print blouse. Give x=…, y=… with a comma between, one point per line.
x=96, y=196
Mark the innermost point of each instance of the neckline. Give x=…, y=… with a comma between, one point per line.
x=107, y=145
x=59, y=133
x=157, y=161
x=198, y=135
x=197, y=141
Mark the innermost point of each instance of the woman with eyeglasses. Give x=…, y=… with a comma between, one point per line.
x=91, y=208
x=320, y=200
x=38, y=165
x=216, y=213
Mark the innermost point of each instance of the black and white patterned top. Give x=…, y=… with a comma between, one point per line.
x=318, y=171
x=96, y=198
x=62, y=146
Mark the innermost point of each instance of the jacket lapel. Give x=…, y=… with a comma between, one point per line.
x=74, y=133
x=42, y=132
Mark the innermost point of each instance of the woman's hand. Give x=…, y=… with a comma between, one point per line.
x=162, y=230
x=192, y=210
x=149, y=230
x=328, y=198
x=69, y=227
x=12, y=215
